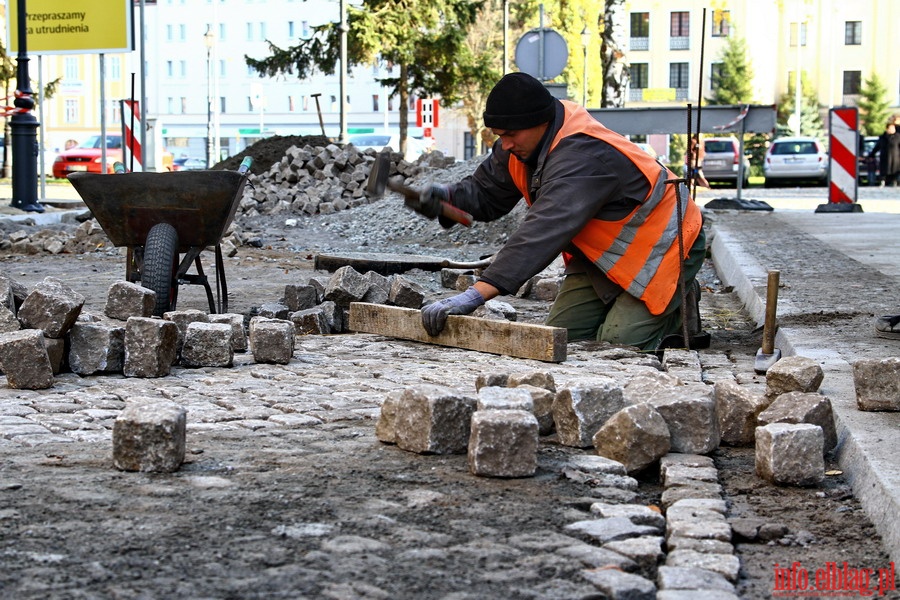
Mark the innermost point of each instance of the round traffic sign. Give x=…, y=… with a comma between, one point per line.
x=529, y=53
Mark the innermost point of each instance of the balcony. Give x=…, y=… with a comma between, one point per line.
x=679, y=43
x=639, y=43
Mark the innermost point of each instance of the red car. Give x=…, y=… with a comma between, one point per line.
x=86, y=156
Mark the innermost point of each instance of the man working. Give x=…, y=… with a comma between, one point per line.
x=593, y=196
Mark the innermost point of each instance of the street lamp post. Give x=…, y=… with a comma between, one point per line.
x=23, y=128
x=585, y=40
x=209, y=38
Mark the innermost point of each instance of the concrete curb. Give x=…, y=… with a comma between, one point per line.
x=867, y=456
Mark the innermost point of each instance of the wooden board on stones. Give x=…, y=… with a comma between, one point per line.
x=384, y=264
x=520, y=340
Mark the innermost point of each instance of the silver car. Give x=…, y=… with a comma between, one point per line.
x=720, y=161
x=795, y=159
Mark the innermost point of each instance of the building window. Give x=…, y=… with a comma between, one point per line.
x=852, y=81
x=853, y=33
x=721, y=23
x=292, y=106
x=71, y=69
x=639, y=74
x=794, y=34
x=640, y=31
x=680, y=24
x=221, y=32
x=170, y=69
x=170, y=105
x=262, y=31
x=222, y=104
x=221, y=68
x=333, y=103
x=374, y=102
x=182, y=33
x=305, y=102
x=291, y=32
x=249, y=32
x=304, y=29
x=679, y=76
x=182, y=68
x=169, y=35
x=184, y=105
x=640, y=24
x=715, y=70
x=249, y=103
x=72, y=111
x=113, y=67
x=679, y=31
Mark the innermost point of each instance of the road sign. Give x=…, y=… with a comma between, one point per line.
x=66, y=27
x=843, y=162
x=542, y=53
x=427, y=113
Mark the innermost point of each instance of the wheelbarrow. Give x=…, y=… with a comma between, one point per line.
x=166, y=220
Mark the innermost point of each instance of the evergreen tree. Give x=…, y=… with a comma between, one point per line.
x=810, y=118
x=732, y=82
x=873, y=106
x=426, y=39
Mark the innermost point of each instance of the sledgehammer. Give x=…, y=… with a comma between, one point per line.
x=378, y=180
x=768, y=355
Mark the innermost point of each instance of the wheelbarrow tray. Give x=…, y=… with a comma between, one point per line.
x=200, y=205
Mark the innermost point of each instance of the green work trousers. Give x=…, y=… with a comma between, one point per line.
x=625, y=320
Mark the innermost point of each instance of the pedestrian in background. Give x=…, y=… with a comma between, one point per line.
x=888, y=149
x=693, y=164
x=593, y=196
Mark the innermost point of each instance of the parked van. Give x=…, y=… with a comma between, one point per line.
x=721, y=159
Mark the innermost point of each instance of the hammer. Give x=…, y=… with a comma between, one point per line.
x=319, y=110
x=378, y=181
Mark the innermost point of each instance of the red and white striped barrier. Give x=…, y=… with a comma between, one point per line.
x=843, y=152
x=131, y=146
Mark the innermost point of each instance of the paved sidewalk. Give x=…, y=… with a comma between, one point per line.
x=837, y=271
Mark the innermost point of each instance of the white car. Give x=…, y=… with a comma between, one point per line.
x=795, y=159
x=414, y=146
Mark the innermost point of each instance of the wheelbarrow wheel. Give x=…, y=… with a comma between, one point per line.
x=161, y=266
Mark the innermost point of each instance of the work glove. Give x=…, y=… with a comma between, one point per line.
x=430, y=199
x=434, y=316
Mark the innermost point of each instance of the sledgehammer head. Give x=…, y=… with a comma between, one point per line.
x=378, y=175
x=764, y=361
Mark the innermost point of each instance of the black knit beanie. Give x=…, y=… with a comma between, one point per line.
x=518, y=101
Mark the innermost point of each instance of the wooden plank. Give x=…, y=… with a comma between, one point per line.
x=520, y=340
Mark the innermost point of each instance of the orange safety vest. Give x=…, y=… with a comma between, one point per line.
x=640, y=251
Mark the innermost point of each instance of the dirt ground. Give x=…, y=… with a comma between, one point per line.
x=245, y=515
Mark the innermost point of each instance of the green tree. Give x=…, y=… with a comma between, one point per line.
x=426, y=39
x=485, y=41
x=810, y=118
x=874, y=107
x=732, y=82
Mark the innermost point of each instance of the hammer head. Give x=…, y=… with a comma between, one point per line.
x=378, y=175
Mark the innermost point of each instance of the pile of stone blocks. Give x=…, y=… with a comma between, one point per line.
x=635, y=422
x=44, y=331
x=322, y=306
x=323, y=180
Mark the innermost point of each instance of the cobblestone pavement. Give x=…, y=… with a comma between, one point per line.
x=286, y=493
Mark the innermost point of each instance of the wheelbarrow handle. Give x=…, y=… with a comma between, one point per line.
x=245, y=165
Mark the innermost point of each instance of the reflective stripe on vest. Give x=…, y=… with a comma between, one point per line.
x=640, y=251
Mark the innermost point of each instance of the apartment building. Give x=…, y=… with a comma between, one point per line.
x=835, y=43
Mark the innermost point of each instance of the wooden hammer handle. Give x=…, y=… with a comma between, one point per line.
x=768, y=342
